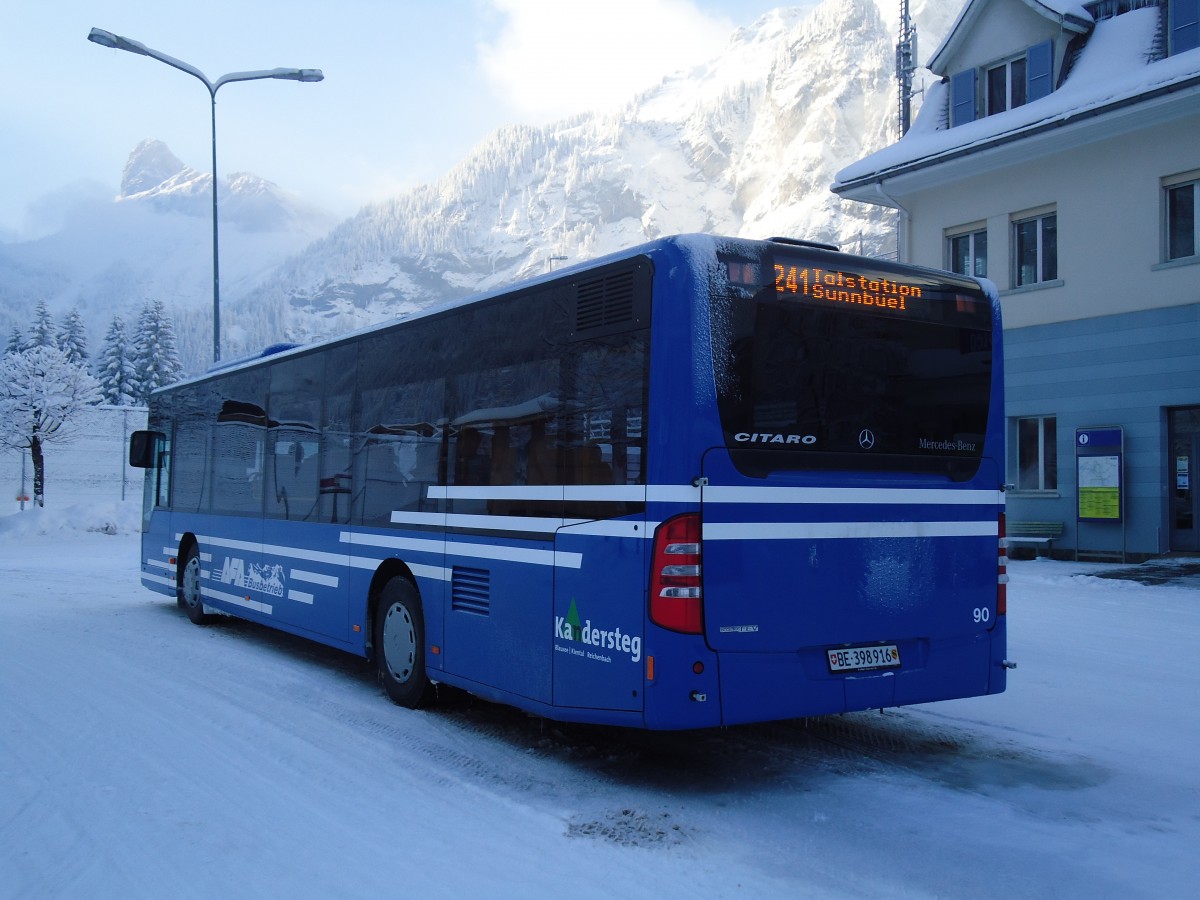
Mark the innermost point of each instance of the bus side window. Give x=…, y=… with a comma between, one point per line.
x=588, y=466
x=191, y=453
x=293, y=423
x=335, y=476
x=543, y=461
x=472, y=464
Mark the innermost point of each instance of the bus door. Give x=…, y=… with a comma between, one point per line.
x=599, y=600
x=499, y=551
x=151, y=450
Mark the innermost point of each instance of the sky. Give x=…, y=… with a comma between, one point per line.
x=410, y=87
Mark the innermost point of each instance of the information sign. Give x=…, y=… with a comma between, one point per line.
x=1099, y=456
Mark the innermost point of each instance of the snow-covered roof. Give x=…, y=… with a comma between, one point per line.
x=1111, y=74
x=1069, y=15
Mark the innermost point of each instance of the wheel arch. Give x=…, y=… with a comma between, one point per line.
x=186, y=543
x=388, y=569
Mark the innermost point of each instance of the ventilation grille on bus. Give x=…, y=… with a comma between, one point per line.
x=605, y=302
x=471, y=590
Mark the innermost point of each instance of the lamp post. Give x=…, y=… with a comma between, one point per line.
x=116, y=42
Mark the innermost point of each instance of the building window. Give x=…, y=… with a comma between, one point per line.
x=1181, y=220
x=1006, y=86
x=968, y=253
x=1184, y=25
x=1037, y=454
x=1035, y=249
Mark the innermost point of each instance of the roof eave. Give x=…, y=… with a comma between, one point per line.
x=1178, y=94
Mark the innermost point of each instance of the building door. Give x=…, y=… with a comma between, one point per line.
x=1184, y=433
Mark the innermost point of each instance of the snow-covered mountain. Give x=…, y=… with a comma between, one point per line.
x=154, y=176
x=154, y=241
x=746, y=144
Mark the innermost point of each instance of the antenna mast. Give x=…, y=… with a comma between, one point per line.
x=906, y=64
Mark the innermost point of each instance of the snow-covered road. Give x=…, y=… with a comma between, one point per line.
x=141, y=756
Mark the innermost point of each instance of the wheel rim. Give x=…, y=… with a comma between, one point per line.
x=191, y=581
x=399, y=643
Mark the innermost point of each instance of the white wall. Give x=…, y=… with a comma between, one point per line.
x=93, y=468
x=1003, y=30
x=1108, y=197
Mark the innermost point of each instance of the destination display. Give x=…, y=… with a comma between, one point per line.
x=815, y=283
x=836, y=286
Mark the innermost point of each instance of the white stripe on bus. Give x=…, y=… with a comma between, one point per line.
x=714, y=531
x=521, y=525
x=542, y=525
x=320, y=556
x=314, y=578
x=236, y=600
x=798, y=531
x=839, y=496
x=683, y=493
x=477, y=551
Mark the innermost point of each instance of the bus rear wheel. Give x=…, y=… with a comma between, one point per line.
x=188, y=592
x=400, y=644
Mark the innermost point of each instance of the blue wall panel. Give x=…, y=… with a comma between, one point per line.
x=1114, y=370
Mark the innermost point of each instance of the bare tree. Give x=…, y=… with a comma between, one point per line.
x=41, y=395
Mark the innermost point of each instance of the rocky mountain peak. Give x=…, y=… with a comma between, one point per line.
x=149, y=165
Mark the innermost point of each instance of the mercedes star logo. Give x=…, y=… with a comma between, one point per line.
x=866, y=439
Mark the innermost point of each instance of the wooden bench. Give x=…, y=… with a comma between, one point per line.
x=1036, y=534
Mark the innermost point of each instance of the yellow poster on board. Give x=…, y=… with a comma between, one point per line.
x=1100, y=487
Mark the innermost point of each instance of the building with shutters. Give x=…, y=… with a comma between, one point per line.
x=1059, y=157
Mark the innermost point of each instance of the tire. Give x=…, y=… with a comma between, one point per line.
x=400, y=645
x=187, y=594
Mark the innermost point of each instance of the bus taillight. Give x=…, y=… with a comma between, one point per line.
x=676, y=596
x=1002, y=572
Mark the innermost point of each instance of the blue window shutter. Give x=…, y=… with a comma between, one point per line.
x=1039, y=70
x=1185, y=25
x=962, y=97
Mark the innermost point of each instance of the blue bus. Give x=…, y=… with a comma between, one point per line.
x=702, y=482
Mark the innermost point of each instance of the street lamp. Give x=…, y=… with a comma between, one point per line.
x=116, y=42
x=551, y=260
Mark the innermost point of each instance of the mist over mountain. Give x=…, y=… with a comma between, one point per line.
x=153, y=240
x=746, y=144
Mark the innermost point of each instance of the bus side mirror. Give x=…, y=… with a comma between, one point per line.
x=143, y=446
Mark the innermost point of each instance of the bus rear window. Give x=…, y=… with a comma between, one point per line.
x=819, y=368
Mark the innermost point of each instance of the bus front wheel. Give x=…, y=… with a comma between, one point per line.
x=400, y=644
x=188, y=592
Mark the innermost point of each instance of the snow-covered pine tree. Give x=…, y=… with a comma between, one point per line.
x=114, y=368
x=43, y=328
x=155, y=355
x=72, y=337
x=16, y=341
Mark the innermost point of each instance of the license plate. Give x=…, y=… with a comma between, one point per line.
x=856, y=659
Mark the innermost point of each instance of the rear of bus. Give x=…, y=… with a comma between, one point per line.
x=840, y=423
